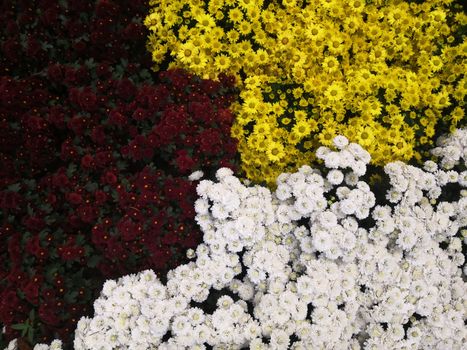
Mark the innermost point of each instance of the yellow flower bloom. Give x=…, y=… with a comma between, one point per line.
x=275, y=151
x=187, y=52
x=235, y=15
x=335, y=92
x=251, y=105
x=205, y=21
x=365, y=136
x=330, y=64
x=222, y=62
x=301, y=128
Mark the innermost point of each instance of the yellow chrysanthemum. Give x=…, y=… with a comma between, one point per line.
x=301, y=128
x=335, y=92
x=187, y=52
x=275, y=151
x=205, y=21
x=222, y=62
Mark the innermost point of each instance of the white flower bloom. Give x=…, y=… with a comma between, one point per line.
x=322, y=240
x=332, y=160
x=340, y=142
x=195, y=176
x=335, y=177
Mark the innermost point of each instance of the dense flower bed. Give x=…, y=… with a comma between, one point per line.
x=322, y=262
x=103, y=152
x=94, y=157
x=386, y=74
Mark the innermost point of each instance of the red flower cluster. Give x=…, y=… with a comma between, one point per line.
x=37, y=32
x=94, y=157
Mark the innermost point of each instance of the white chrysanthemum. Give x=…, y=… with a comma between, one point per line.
x=340, y=141
x=195, y=176
x=332, y=160
x=335, y=177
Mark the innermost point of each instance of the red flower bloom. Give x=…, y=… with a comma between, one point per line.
x=68, y=151
x=133, y=31
x=87, y=162
x=70, y=76
x=115, y=250
x=110, y=178
x=12, y=49
x=99, y=235
x=70, y=252
x=33, y=47
x=118, y=119
x=129, y=230
x=88, y=100
x=125, y=89
x=87, y=213
x=56, y=117
x=75, y=198
x=209, y=141
x=48, y=315
x=55, y=73
x=17, y=277
x=34, y=223
x=100, y=197
x=50, y=16
x=10, y=200
x=103, y=70
x=60, y=180
x=31, y=290
x=98, y=135
x=184, y=162
x=103, y=159
x=140, y=114
x=159, y=257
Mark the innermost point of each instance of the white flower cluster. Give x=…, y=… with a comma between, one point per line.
x=55, y=345
x=452, y=148
x=318, y=264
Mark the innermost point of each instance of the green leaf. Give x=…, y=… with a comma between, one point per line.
x=31, y=183
x=93, y=261
x=49, y=220
x=121, y=165
x=71, y=169
x=91, y=187
x=14, y=187
x=80, y=240
x=46, y=208
x=43, y=234
x=46, y=46
x=115, y=195
x=15, y=126
x=49, y=275
x=70, y=298
x=30, y=210
x=31, y=335
x=144, y=74
x=90, y=63
x=20, y=326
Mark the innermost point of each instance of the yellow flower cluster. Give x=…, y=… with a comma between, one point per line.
x=385, y=73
